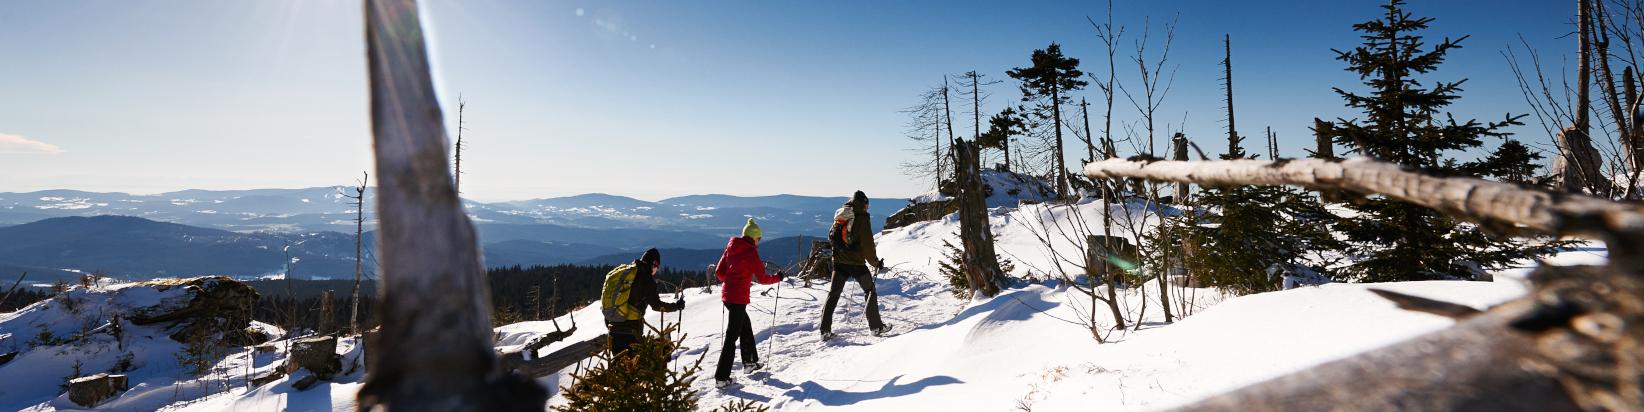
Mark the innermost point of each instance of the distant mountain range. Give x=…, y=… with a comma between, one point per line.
x=326, y=209
x=244, y=233
x=136, y=248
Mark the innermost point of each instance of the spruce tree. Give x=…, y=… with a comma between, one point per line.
x=640, y=380
x=1238, y=233
x=1048, y=81
x=1001, y=127
x=1401, y=241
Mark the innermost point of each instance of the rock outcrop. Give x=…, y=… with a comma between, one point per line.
x=318, y=355
x=211, y=307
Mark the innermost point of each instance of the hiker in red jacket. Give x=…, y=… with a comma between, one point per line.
x=737, y=268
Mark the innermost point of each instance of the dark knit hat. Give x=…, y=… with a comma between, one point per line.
x=651, y=256
x=860, y=198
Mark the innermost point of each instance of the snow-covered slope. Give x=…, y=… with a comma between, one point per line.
x=1026, y=348
x=75, y=329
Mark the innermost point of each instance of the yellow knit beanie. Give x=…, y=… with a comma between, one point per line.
x=751, y=230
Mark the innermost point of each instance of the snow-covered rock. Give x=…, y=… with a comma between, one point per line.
x=1004, y=189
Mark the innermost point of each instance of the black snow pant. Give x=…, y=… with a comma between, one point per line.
x=740, y=328
x=624, y=346
x=841, y=272
x=620, y=342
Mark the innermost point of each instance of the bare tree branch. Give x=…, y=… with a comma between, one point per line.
x=1498, y=205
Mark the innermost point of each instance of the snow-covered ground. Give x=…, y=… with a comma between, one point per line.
x=1024, y=349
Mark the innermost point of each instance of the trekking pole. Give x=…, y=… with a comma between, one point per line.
x=679, y=296
x=776, y=302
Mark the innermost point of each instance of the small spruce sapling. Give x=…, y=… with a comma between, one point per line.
x=639, y=380
x=952, y=269
x=74, y=373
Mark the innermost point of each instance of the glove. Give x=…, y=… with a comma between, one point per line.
x=780, y=275
x=881, y=263
x=681, y=304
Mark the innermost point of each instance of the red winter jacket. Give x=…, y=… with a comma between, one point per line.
x=737, y=267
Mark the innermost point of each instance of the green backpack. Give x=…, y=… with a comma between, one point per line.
x=613, y=298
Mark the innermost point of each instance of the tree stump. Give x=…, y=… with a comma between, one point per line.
x=318, y=355
x=91, y=390
x=327, y=312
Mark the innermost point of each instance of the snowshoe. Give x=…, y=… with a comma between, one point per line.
x=827, y=336
x=751, y=367
x=723, y=384
x=882, y=331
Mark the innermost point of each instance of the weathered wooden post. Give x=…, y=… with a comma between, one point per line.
x=327, y=312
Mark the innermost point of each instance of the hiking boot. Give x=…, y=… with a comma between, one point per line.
x=882, y=330
x=723, y=383
x=827, y=336
x=751, y=367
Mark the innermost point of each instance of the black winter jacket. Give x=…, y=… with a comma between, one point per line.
x=642, y=295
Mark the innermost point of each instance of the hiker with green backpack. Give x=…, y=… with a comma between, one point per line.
x=628, y=290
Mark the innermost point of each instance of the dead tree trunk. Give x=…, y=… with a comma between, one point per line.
x=1099, y=269
x=1325, y=148
x=1570, y=345
x=434, y=350
x=13, y=288
x=1575, y=143
x=359, y=232
x=525, y=360
x=328, y=312
x=1179, y=150
x=981, y=263
x=1233, y=149
x=1578, y=163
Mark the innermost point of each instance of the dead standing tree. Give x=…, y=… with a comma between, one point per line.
x=1571, y=344
x=435, y=347
x=981, y=262
x=359, y=232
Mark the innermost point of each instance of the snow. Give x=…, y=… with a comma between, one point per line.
x=1024, y=187
x=1024, y=349
x=30, y=382
x=986, y=355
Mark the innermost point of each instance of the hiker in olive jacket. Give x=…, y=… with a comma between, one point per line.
x=642, y=295
x=853, y=265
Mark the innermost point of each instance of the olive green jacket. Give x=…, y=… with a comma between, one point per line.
x=861, y=232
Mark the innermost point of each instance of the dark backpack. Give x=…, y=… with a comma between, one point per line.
x=839, y=236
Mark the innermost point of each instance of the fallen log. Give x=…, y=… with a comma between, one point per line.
x=1572, y=344
x=554, y=362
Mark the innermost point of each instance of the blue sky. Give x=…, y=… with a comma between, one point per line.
x=653, y=99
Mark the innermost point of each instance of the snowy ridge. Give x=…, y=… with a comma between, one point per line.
x=1024, y=348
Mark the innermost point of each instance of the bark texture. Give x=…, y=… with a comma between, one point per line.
x=981, y=262
x=1577, y=165
x=434, y=352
